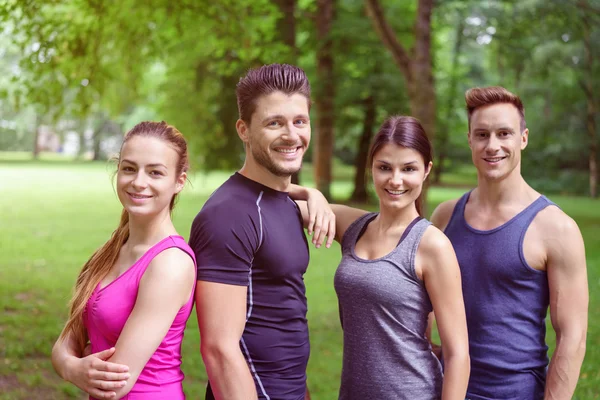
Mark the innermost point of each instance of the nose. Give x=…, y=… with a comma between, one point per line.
x=290, y=133
x=396, y=179
x=140, y=180
x=493, y=144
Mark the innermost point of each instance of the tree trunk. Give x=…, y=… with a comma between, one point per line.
x=360, y=195
x=97, y=139
x=36, y=138
x=591, y=108
x=415, y=65
x=323, y=149
x=286, y=26
x=444, y=134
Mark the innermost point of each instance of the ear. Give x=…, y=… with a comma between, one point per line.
x=181, y=179
x=428, y=170
x=524, y=138
x=242, y=130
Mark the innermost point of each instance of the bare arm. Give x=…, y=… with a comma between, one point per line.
x=317, y=216
x=443, y=283
x=439, y=218
x=165, y=287
x=92, y=373
x=221, y=310
x=567, y=281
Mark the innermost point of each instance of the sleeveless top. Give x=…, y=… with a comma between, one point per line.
x=383, y=311
x=108, y=309
x=506, y=302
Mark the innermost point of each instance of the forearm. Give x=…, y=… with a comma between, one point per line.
x=229, y=375
x=63, y=356
x=564, y=369
x=456, y=377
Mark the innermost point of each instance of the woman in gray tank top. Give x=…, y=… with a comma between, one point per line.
x=395, y=269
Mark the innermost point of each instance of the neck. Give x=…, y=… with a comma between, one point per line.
x=258, y=173
x=391, y=219
x=492, y=192
x=148, y=231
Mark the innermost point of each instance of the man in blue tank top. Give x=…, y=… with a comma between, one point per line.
x=518, y=254
x=252, y=252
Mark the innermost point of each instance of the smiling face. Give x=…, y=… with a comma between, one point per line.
x=278, y=133
x=496, y=141
x=147, y=177
x=398, y=175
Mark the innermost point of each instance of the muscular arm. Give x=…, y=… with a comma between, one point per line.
x=165, y=287
x=442, y=280
x=221, y=310
x=567, y=281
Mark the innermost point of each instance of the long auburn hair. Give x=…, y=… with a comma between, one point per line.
x=406, y=132
x=101, y=262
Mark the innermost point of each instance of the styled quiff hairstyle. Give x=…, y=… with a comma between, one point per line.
x=405, y=132
x=481, y=97
x=265, y=80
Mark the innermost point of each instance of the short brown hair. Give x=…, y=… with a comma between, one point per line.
x=267, y=79
x=479, y=97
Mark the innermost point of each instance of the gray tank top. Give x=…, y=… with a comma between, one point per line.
x=383, y=310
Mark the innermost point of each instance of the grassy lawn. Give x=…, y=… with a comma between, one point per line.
x=53, y=215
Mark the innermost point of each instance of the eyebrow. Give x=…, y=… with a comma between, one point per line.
x=406, y=163
x=279, y=116
x=149, y=165
x=503, y=128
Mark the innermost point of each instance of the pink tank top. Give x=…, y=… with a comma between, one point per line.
x=108, y=309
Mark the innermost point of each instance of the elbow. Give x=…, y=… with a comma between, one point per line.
x=218, y=352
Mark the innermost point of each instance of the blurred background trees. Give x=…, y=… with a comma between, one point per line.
x=76, y=74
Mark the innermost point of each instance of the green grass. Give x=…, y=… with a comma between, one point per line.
x=53, y=214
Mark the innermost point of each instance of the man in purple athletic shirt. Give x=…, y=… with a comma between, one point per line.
x=252, y=252
x=518, y=254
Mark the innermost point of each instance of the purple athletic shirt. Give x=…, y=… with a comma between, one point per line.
x=250, y=235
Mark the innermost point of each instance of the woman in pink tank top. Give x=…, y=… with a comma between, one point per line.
x=134, y=295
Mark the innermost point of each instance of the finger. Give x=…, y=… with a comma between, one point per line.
x=318, y=226
x=105, y=354
x=324, y=229
x=108, y=385
x=102, y=394
x=311, y=222
x=331, y=231
x=109, y=367
x=109, y=376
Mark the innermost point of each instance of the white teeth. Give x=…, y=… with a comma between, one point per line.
x=137, y=196
x=494, y=159
x=286, y=150
x=397, y=191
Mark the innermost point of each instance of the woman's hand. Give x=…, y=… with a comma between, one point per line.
x=321, y=219
x=96, y=376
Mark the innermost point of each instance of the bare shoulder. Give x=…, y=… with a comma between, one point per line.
x=435, y=244
x=553, y=222
x=442, y=213
x=172, y=263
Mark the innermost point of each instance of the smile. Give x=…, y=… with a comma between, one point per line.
x=287, y=150
x=138, y=196
x=494, y=159
x=396, y=192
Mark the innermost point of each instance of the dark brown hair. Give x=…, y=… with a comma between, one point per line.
x=406, y=132
x=267, y=79
x=479, y=97
x=101, y=262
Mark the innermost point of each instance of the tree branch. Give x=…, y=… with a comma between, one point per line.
x=423, y=30
x=388, y=37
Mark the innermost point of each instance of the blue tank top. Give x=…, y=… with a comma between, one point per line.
x=506, y=302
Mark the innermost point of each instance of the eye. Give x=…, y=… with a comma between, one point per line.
x=273, y=124
x=410, y=169
x=156, y=173
x=300, y=122
x=127, y=168
x=504, y=133
x=384, y=168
